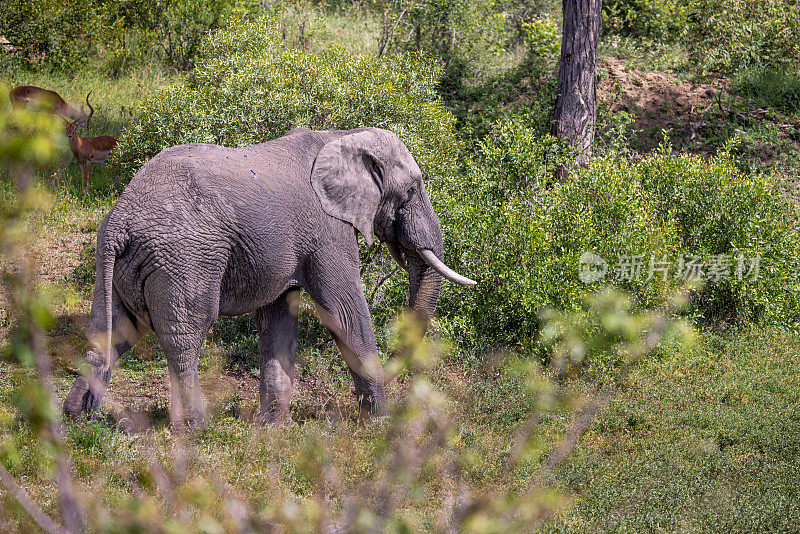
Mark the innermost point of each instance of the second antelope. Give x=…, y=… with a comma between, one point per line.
x=89, y=150
x=46, y=100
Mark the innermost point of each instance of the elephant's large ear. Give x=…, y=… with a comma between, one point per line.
x=347, y=177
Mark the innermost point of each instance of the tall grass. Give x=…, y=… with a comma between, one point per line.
x=774, y=88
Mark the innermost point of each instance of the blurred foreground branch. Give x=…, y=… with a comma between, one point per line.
x=26, y=140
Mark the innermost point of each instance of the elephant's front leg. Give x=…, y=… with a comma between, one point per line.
x=343, y=310
x=277, y=326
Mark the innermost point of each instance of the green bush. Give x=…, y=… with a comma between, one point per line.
x=720, y=36
x=248, y=88
x=71, y=34
x=657, y=20
x=64, y=35
x=726, y=36
x=522, y=237
x=719, y=211
x=174, y=30
x=522, y=240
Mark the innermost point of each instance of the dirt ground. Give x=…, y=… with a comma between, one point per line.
x=656, y=101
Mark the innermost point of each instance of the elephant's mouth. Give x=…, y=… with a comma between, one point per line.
x=397, y=254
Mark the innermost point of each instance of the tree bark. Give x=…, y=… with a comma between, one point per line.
x=576, y=106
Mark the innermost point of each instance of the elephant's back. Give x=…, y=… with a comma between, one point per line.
x=242, y=216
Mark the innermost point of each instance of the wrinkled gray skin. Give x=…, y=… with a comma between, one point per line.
x=203, y=231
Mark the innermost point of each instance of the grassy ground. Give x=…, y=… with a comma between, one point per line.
x=707, y=441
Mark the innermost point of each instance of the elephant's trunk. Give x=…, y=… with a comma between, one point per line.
x=423, y=288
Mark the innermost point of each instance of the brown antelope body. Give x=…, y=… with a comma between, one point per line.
x=89, y=150
x=47, y=100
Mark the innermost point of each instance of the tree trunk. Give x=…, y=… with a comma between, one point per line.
x=576, y=106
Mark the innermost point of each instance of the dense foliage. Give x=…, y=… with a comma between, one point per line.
x=64, y=35
x=112, y=36
x=248, y=88
x=522, y=237
x=722, y=36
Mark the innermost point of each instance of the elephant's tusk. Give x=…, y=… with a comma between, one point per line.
x=397, y=255
x=438, y=266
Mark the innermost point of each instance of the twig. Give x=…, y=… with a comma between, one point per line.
x=577, y=430
x=741, y=114
x=387, y=35
x=727, y=110
x=44, y=521
x=69, y=505
x=380, y=283
x=695, y=127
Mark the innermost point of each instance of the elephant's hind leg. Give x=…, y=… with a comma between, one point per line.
x=183, y=301
x=126, y=330
x=277, y=326
x=183, y=357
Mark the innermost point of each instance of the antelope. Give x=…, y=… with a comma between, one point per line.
x=46, y=100
x=89, y=150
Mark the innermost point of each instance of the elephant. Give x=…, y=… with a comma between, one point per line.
x=203, y=231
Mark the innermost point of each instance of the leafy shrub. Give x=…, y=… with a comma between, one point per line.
x=70, y=34
x=522, y=237
x=174, y=30
x=248, y=87
x=729, y=36
x=658, y=20
x=719, y=211
x=720, y=36
x=542, y=37
x=64, y=35
x=522, y=241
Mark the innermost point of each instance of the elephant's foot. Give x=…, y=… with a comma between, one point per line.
x=277, y=417
x=188, y=416
x=371, y=406
x=187, y=407
x=370, y=397
x=81, y=401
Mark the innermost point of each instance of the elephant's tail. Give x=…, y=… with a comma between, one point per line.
x=108, y=248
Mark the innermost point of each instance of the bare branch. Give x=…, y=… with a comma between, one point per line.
x=380, y=282
x=578, y=428
x=44, y=521
x=386, y=34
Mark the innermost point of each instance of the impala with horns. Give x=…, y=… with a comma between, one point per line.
x=46, y=100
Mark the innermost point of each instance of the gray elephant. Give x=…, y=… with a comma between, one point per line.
x=203, y=231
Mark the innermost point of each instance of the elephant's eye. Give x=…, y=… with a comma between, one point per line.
x=411, y=192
